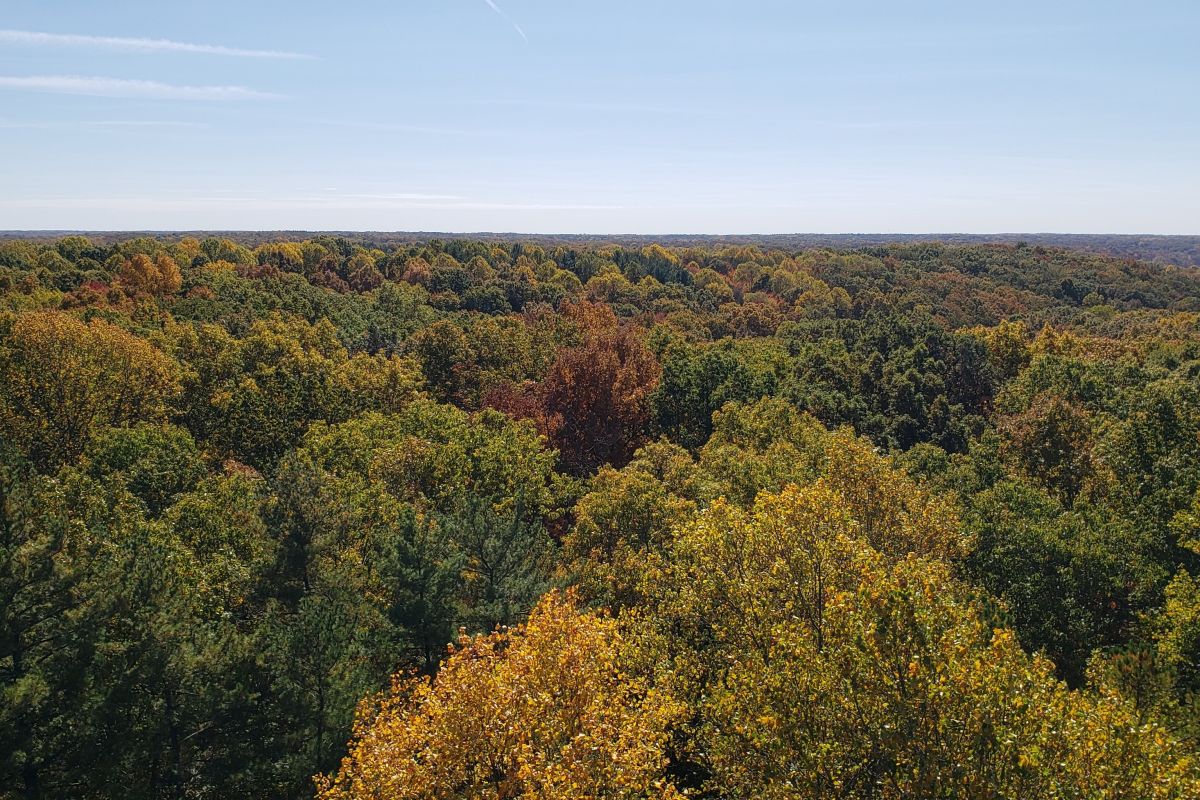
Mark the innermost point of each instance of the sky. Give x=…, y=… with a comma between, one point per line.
x=601, y=116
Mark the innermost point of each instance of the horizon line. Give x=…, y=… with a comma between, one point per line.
x=397, y=232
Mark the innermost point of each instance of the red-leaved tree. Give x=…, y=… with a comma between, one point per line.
x=594, y=403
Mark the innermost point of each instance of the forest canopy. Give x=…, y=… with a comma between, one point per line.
x=499, y=518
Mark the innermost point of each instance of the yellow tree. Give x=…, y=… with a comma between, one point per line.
x=61, y=379
x=1007, y=345
x=819, y=666
x=897, y=517
x=158, y=277
x=625, y=520
x=541, y=711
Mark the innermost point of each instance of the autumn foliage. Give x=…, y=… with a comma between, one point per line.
x=821, y=667
x=545, y=710
x=570, y=519
x=594, y=403
x=159, y=276
x=64, y=379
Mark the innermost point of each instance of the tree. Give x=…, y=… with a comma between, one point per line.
x=544, y=710
x=379, y=383
x=1052, y=442
x=323, y=656
x=440, y=515
x=255, y=397
x=505, y=561
x=698, y=380
x=61, y=380
x=1008, y=347
x=818, y=667
x=155, y=462
x=157, y=277
x=45, y=567
x=762, y=446
x=446, y=357
x=626, y=519
x=594, y=405
x=1071, y=581
x=1176, y=627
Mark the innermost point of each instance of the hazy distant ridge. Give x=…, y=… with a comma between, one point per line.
x=1180, y=250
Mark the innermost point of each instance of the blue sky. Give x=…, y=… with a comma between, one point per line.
x=654, y=116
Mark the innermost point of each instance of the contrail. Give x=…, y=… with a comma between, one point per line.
x=121, y=87
x=507, y=18
x=137, y=45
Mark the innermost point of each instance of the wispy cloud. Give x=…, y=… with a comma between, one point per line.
x=403, y=196
x=144, y=123
x=131, y=44
x=318, y=202
x=102, y=123
x=507, y=18
x=121, y=87
x=400, y=127
x=620, y=107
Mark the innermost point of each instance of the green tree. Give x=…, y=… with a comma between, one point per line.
x=155, y=462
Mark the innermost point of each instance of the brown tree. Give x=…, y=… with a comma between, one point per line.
x=1052, y=442
x=594, y=404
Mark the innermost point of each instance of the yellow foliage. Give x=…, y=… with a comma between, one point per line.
x=897, y=516
x=819, y=667
x=542, y=711
x=61, y=378
x=158, y=277
x=388, y=383
x=1007, y=344
x=625, y=519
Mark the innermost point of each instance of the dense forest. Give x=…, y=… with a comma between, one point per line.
x=498, y=519
x=1180, y=250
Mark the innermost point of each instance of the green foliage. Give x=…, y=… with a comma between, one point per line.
x=698, y=380
x=910, y=520
x=1072, y=581
x=156, y=463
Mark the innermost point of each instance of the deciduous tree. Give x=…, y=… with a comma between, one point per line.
x=544, y=710
x=62, y=379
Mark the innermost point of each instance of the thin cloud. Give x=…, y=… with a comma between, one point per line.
x=507, y=18
x=144, y=123
x=244, y=202
x=121, y=87
x=101, y=123
x=403, y=127
x=131, y=44
x=403, y=196
x=639, y=108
